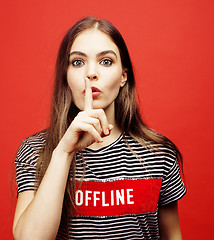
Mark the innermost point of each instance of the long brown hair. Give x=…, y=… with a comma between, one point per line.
x=63, y=109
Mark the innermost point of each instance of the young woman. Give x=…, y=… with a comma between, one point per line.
x=97, y=172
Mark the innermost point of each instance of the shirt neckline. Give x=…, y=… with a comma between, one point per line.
x=105, y=148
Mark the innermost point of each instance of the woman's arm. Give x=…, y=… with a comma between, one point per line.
x=38, y=217
x=169, y=222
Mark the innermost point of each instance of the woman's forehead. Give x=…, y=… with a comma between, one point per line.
x=93, y=40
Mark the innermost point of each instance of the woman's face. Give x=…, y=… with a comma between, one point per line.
x=94, y=55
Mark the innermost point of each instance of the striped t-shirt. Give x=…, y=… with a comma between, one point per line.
x=121, y=190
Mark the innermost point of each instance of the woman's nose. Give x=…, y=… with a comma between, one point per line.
x=92, y=73
x=92, y=76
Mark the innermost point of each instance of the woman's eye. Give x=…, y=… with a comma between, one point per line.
x=77, y=63
x=106, y=62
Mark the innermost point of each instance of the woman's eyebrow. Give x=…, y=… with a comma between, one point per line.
x=77, y=53
x=106, y=52
x=98, y=55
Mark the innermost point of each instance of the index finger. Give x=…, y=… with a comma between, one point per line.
x=88, y=95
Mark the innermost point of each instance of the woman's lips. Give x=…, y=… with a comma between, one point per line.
x=95, y=91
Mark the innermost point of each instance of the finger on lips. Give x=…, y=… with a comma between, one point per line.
x=88, y=95
x=96, y=113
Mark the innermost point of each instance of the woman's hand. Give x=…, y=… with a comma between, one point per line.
x=88, y=126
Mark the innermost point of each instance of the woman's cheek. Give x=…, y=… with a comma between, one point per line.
x=78, y=100
x=115, y=81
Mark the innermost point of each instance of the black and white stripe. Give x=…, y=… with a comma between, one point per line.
x=112, y=163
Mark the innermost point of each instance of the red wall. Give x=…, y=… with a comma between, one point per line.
x=171, y=45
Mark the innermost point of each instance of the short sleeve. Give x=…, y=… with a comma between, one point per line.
x=172, y=187
x=26, y=160
x=25, y=168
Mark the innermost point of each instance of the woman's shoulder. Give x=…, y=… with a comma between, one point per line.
x=36, y=140
x=31, y=146
x=154, y=146
x=164, y=150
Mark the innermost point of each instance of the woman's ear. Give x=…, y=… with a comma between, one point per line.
x=123, y=78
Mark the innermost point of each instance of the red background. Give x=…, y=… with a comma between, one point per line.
x=171, y=46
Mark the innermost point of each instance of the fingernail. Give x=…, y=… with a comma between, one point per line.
x=106, y=132
x=110, y=126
